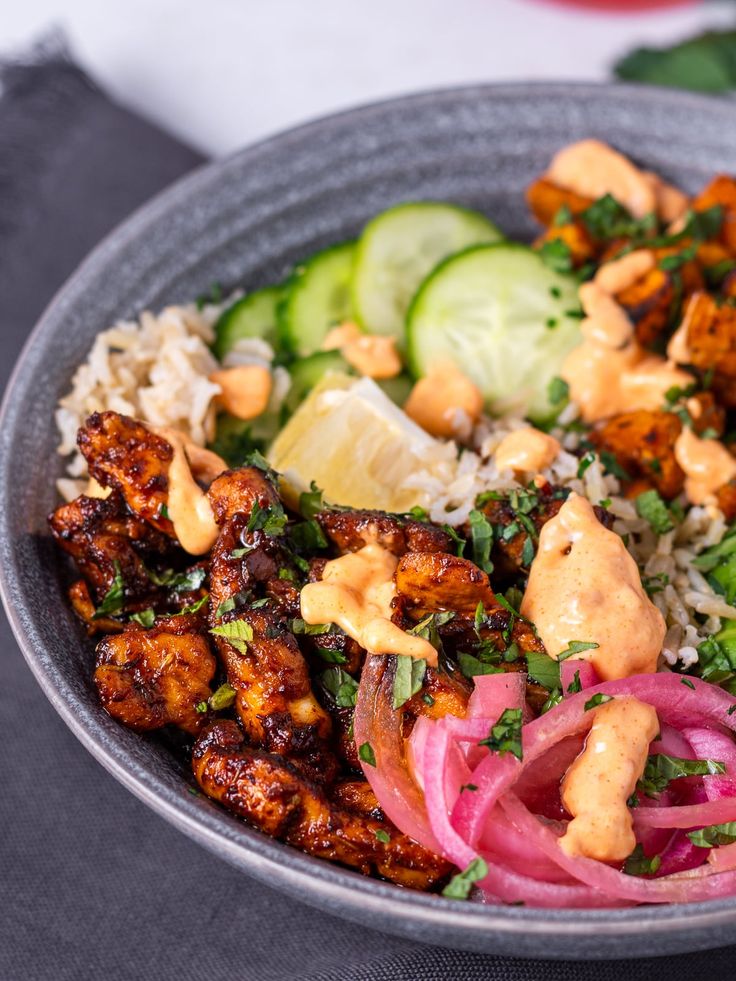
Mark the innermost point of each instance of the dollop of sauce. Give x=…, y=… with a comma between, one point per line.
x=585, y=586
x=436, y=399
x=707, y=465
x=526, y=450
x=606, y=323
x=591, y=168
x=244, y=390
x=189, y=509
x=671, y=202
x=355, y=593
x=678, y=349
x=599, y=782
x=604, y=381
x=619, y=274
x=372, y=355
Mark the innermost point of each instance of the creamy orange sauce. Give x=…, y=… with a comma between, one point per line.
x=244, y=390
x=189, y=509
x=606, y=323
x=435, y=400
x=619, y=274
x=592, y=168
x=526, y=450
x=604, y=381
x=671, y=202
x=585, y=586
x=707, y=464
x=602, y=778
x=356, y=593
x=678, y=349
x=372, y=355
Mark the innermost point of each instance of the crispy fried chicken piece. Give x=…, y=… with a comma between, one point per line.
x=99, y=533
x=643, y=442
x=721, y=191
x=357, y=796
x=353, y=530
x=271, y=794
x=123, y=454
x=429, y=582
x=274, y=697
x=711, y=341
x=649, y=302
x=151, y=678
x=545, y=200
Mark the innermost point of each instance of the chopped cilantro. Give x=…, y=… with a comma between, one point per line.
x=598, y=699
x=299, y=626
x=555, y=697
x=408, y=678
x=611, y=464
x=270, y=520
x=652, y=508
x=114, y=599
x=687, y=683
x=556, y=254
x=383, y=836
x=575, y=685
x=307, y=536
x=505, y=735
x=460, y=885
x=195, y=606
x=558, y=391
x=310, y=502
x=237, y=632
x=178, y=582
x=472, y=666
x=640, y=864
x=222, y=698
x=342, y=686
x=145, y=618
x=481, y=532
x=714, y=835
x=661, y=769
x=543, y=669
x=366, y=754
x=577, y=647
x=585, y=462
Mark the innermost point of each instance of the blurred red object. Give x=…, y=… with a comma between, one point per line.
x=623, y=6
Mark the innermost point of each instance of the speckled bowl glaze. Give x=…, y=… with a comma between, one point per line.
x=244, y=221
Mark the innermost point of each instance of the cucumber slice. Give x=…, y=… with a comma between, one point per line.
x=307, y=372
x=252, y=316
x=401, y=246
x=317, y=297
x=498, y=313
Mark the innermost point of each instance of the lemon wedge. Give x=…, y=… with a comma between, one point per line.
x=358, y=447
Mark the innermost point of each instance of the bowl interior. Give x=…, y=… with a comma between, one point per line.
x=244, y=222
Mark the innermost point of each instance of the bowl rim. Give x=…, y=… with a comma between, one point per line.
x=316, y=881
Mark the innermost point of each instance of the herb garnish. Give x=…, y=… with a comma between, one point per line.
x=114, y=599
x=342, y=686
x=178, y=582
x=639, y=864
x=366, y=754
x=383, y=836
x=237, y=632
x=714, y=835
x=481, y=532
x=543, y=669
x=598, y=699
x=652, y=508
x=145, y=618
x=661, y=769
x=270, y=520
x=460, y=885
x=505, y=735
x=577, y=647
x=408, y=678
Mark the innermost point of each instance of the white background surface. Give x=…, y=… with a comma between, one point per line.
x=222, y=73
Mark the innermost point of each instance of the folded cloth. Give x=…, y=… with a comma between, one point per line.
x=92, y=884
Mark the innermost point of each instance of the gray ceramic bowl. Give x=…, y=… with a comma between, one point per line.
x=244, y=221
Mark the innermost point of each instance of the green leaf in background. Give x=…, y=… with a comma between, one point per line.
x=706, y=63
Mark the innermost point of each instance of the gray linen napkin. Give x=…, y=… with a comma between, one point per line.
x=93, y=885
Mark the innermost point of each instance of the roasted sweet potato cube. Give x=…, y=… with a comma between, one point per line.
x=643, y=442
x=711, y=340
x=722, y=191
x=429, y=582
x=575, y=238
x=648, y=303
x=707, y=414
x=726, y=497
x=545, y=199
